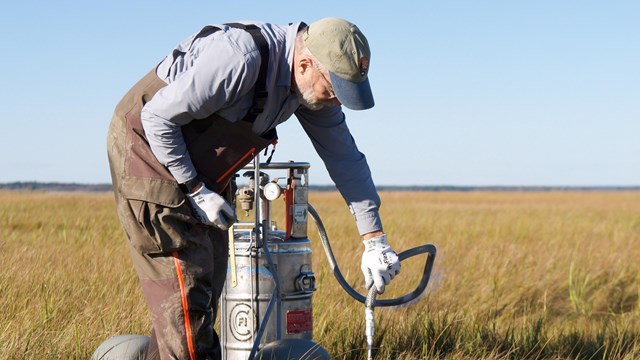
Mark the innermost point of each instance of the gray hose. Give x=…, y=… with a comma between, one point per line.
x=370, y=301
x=429, y=249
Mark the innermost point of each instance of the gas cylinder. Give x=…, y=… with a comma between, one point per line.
x=243, y=307
x=267, y=297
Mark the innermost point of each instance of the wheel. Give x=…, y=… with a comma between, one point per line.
x=293, y=349
x=122, y=347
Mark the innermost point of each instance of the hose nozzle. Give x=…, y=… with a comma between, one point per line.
x=369, y=320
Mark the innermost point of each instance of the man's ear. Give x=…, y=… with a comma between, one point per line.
x=304, y=65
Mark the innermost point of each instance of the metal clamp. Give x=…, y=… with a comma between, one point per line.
x=306, y=282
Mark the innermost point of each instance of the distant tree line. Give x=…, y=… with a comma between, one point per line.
x=55, y=187
x=75, y=187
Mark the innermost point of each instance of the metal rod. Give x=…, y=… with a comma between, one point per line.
x=280, y=165
x=370, y=320
x=232, y=257
x=257, y=200
x=258, y=242
x=262, y=242
x=277, y=289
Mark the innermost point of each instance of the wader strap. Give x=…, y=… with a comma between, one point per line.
x=219, y=148
x=260, y=92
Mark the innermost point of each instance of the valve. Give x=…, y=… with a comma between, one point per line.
x=244, y=196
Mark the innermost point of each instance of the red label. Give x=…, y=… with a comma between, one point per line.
x=299, y=321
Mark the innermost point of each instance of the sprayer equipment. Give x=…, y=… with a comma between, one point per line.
x=266, y=305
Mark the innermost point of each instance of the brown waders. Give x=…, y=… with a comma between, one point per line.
x=180, y=262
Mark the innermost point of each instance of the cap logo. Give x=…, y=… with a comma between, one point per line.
x=363, y=65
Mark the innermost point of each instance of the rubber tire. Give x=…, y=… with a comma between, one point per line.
x=123, y=347
x=293, y=349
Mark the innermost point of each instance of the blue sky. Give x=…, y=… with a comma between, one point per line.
x=467, y=92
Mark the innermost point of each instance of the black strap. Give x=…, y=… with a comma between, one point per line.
x=204, y=32
x=234, y=138
x=260, y=91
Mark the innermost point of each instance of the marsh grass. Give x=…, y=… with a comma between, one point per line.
x=518, y=276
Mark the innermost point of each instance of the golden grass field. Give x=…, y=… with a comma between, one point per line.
x=522, y=275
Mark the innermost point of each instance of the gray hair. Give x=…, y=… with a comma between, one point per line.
x=302, y=49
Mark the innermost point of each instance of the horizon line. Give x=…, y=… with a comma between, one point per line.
x=104, y=187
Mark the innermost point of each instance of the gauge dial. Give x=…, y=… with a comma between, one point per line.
x=272, y=191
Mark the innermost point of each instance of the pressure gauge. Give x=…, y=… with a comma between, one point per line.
x=272, y=191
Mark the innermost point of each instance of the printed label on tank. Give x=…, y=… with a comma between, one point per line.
x=242, y=322
x=299, y=321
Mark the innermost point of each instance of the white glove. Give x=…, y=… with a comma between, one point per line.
x=211, y=209
x=380, y=263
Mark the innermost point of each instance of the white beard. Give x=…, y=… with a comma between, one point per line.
x=306, y=97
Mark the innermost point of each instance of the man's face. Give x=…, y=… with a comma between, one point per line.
x=314, y=90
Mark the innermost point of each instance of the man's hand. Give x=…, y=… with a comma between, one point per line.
x=380, y=263
x=211, y=209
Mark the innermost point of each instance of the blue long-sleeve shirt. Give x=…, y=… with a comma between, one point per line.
x=215, y=74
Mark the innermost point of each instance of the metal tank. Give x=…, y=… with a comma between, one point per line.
x=267, y=296
x=244, y=306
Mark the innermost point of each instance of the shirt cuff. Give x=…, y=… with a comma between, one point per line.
x=368, y=222
x=182, y=173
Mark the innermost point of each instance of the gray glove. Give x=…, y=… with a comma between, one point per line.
x=211, y=209
x=380, y=263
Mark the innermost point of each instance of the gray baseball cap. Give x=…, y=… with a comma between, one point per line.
x=344, y=51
